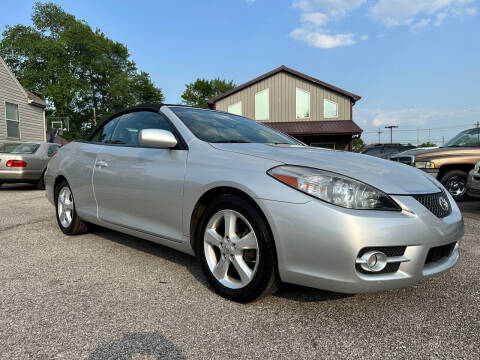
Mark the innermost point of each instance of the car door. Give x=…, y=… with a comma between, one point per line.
x=139, y=187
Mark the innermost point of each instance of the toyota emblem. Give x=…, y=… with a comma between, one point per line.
x=443, y=203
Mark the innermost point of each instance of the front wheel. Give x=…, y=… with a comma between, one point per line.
x=236, y=250
x=455, y=181
x=67, y=217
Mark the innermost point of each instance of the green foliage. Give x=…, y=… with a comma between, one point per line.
x=427, y=144
x=358, y=145
x=73, y=67
x=198, y=92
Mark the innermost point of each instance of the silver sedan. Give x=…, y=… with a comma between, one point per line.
x=23, y=162
x=254, y=205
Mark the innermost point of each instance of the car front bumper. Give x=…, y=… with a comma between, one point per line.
x=433, y=172
x=473, y=183
x=318, y=243
x=16, y=175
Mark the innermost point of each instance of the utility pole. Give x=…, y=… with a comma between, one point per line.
x=443, y=140
x=94, y=117
x=391, y=127
x=379, y=133
x=477, y=124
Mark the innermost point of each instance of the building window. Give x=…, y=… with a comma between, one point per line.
x=235, y=108
x=13, y=120
x=330, y=109
x=262, y=105
x=303, y=103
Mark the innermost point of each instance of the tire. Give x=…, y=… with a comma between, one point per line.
x=70, y=223
x=40, y=185
x=455, y=181
x=219, y=249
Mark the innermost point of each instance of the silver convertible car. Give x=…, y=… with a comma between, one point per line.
x=254, y=205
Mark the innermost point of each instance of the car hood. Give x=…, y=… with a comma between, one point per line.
x=388, y=176
x=442, y=152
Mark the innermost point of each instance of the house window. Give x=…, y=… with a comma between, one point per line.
x=13, y=121
x=303, y=103
x=235, y=108
x=330, y=109
x=262, y=105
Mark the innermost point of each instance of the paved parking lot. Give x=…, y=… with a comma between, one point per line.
x=112, y=296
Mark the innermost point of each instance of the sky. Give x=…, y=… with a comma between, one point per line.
x=416, y=63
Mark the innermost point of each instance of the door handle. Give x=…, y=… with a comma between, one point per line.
x=102, y=164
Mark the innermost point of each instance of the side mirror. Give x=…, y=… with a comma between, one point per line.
x=157, y=138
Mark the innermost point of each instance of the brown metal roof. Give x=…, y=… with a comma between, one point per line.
x=324, y=127
x=35, y=100
x=354, y=97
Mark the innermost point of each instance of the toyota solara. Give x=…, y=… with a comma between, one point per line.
x=254, y=205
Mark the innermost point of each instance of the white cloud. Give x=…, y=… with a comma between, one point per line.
x=439, y=18
x=419, y=13
x=315, y=18
x=335, y=8
x=418, y=26
x=319, y=39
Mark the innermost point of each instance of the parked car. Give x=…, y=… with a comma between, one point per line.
x=449, y=163
x=385, y=151
x=473, y=182
x=25, y=162
x=256, y=206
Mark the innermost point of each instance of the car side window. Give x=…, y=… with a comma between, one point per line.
x=130, y=125
x=52, y=149
x=105, y=133
x=374, y=151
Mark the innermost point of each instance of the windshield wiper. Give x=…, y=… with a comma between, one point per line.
x=232, y=142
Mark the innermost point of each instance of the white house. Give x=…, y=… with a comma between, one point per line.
x=22, y=113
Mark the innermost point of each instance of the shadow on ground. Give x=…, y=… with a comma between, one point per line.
x=17, y=187
x=154, y=345
x=286, y=291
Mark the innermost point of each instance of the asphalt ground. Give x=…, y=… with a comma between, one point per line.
x=111, y=296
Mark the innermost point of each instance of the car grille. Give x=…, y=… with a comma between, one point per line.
x=404, y=159
x=440, y=252
x=387, y=250
x=432, y=203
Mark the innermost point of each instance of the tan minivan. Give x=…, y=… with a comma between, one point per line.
x=450, y=163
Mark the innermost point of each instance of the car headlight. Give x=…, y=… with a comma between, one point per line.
x=333, y=188
x=424, y=165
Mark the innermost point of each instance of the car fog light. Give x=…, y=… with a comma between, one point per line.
x=373, y=261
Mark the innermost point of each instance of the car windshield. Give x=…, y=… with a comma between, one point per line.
x=467, y=138
x=18, y=148
x=219, y=127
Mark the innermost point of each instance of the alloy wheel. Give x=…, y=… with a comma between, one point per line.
x=65, y=206
x=231, y=249
x=456, y=186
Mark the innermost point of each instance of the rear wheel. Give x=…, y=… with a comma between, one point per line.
x=236, y=250
x=67, y=217
x=455, y=181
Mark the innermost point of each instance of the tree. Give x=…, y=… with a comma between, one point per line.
x=77, y=70
x=427, y=144
x=198, y=92
x=357, y=145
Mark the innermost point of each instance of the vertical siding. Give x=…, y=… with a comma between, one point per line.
x=31, y=117
x=282, y=99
